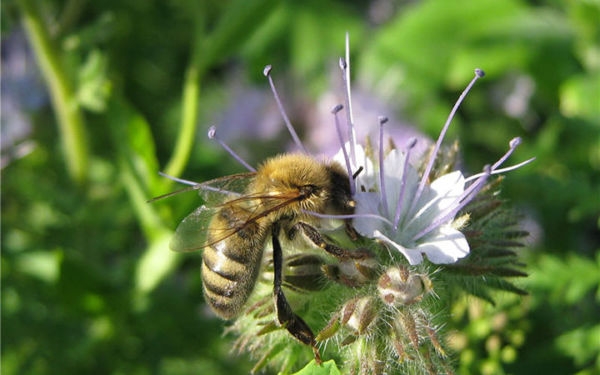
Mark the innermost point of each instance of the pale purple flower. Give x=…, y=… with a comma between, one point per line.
x=400, y=207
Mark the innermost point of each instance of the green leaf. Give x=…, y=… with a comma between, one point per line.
x=44, y=265
x=235, y=25
x=157, y=262
x=94, y=86
x=579, y=97
x=326, y=368
x=134, y=141
x=582, y=344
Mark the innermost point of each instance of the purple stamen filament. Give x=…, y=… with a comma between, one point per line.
x=212, y=134
x=470, y=192
x=351, y=216
x=382, y=192
x=478, y=74
x=345, y=66
x=288, y=124
x=338, y=128
x=411, y=143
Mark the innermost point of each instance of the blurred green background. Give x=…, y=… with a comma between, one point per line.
x=97, y=97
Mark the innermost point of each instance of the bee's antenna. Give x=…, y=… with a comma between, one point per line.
x=345, y=66
x=478, y=74
x=335, y=111
x=212, y=134
x=267, y=73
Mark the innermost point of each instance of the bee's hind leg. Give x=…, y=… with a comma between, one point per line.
x=287, y=318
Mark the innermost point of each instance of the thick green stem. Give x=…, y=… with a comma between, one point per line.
x=189, y=107
x=68, y=114
x=189, y=119
x=149, y=220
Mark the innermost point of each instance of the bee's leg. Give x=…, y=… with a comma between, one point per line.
x=315, y=237
x=287, y=318
x=350, y=231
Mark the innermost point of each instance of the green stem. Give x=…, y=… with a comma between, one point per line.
x=189, y=119
x=190, y=95
x=69, y=116
x=146, y=214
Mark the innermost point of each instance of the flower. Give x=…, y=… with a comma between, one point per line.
x=406, y=212
x=375, y=313
x=386, y=211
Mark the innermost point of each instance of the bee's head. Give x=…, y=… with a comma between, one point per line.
x=320, y=186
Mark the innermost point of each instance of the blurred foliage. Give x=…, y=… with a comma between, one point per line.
x=88, y=282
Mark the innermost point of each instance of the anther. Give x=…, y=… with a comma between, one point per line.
x=358, y=171
x=267, y=70
x=513, y=144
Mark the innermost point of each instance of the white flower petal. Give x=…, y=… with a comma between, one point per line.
x=446, y=246
x=367, y=204
x=448, y=188
x=413, y=256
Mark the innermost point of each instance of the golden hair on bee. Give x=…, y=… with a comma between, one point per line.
x=319, y=185
x=287, y=196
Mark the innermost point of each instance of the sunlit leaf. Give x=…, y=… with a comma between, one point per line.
x=156, y=262
x=326, y=368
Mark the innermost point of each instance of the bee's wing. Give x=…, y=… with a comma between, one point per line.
x=222, y=189
x=198, y=230
x=214, y=191
x=192, y=232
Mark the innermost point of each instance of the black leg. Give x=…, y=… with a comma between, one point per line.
x=287, y=318
x=315, y=237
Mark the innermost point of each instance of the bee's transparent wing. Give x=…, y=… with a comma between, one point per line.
x=214, y=191
x=199, y=230
x=219, y=190
x=225, y=195
x=192, y=233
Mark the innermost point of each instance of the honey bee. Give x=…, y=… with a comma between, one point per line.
x=244, y=211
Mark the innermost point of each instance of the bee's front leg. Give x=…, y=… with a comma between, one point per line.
x=287, y=318
x=315, y=237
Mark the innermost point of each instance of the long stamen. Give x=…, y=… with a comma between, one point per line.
x=177, y=179
x=461, y=202
x=410, y=145
x=513, y=144
x=478, y=74
x=345, y=66
x=474, y=188
x=288, y=124
x=513, y=167
x=501, y=170
x=212, y=134
x=382, y=192
x=338, y=128
x=349, y=216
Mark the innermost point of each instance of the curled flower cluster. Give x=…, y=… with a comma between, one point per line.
x=424, y=230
